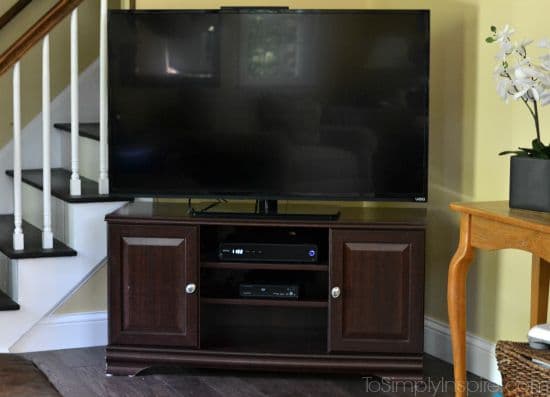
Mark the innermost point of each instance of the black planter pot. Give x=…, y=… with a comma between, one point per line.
x=530, y=184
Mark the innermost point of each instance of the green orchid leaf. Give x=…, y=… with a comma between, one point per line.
x=490, y=39
x=516, y=152
x=493, y=29
x=541, y=155
x=538, y=145
x=526, y=150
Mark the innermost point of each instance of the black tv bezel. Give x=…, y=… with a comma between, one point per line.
x=413, y=197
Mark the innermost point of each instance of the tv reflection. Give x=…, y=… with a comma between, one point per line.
x=288, y=108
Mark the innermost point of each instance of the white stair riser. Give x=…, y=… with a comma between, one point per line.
x=33, y=210
x=5, y=274
x=88, y=151
x=86, y=229
x=80, y=226
x=9, y=277
x=89, y=158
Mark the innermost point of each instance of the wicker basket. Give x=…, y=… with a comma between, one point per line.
x=521, y=377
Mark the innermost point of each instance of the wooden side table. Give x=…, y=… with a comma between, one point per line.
x=493, y=226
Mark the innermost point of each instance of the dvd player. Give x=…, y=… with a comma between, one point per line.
x=267, y=252
x=272, y=291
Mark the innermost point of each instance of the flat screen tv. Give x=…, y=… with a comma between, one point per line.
x=269, y=104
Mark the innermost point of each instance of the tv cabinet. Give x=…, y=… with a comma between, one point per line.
x=172, y=302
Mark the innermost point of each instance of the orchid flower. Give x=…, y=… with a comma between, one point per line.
x=523, y=78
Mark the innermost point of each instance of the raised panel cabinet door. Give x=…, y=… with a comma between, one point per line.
x=376, y=291
x=153, y=285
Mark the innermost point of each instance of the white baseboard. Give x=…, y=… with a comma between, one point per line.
x=68, y=331
x=65, y=331
x=480, y=353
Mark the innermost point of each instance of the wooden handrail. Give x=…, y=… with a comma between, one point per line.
x=13, y=11
x=36, y=33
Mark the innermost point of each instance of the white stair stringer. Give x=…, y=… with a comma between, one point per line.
x=40, y=285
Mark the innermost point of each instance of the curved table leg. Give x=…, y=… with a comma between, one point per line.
x=540, y=278
x=456, y=301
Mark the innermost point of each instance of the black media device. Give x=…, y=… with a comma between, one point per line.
x=270, y=291
x=269, y=104
x=268, y=252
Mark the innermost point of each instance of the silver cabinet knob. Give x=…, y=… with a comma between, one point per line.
x=335, y=292
x=190, y=288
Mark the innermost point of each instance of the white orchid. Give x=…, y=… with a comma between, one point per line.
x=521, y=47
x=516, y=74
x=545, y=98
x=521, y=77
x=545, y=62
x=504, y=34
x=544, y=43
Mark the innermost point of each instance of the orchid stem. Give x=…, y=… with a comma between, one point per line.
x=535, y=116
x=537, y=122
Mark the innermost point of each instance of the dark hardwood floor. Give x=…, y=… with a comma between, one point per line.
x=80, y=373
x=20, y=378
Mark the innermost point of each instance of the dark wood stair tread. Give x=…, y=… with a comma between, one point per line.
x=33, y=242
x=87, y=130
x=6, y=303
x=61, y=189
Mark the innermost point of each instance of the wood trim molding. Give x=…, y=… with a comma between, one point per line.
x=36, y=33
x=13, y=11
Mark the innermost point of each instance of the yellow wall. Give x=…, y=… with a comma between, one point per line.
x=469, y=125
x=91, y=297
x=5, y=5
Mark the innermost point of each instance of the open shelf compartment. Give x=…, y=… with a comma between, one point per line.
x=212, y=236
x=265, y=329
x=222, y=286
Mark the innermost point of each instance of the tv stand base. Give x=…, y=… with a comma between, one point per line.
x=122, y=360
x=173, y=301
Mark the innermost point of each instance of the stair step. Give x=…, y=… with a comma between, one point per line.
x=61, y=189
x=6, y=303
x=33, y=242
x=87, y=130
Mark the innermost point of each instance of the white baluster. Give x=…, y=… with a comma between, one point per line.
x=75, y=185
x=103, y=105
x=47, y=236
x=18, y=237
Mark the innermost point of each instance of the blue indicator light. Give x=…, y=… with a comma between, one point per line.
x=311, y=253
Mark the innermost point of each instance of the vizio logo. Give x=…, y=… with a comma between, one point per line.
x=420, y=199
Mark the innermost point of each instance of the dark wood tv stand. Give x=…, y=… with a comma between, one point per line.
x=172, y=302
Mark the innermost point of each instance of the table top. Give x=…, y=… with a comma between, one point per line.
x=501, y=212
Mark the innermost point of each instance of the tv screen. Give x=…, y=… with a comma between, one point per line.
x=269, y=104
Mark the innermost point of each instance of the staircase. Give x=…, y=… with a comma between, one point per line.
x=55, y=238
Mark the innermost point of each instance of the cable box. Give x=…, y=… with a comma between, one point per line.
x=267, y=252
x=269, y=291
